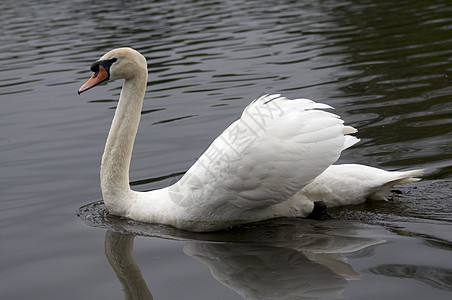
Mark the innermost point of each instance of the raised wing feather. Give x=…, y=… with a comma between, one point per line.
x=277, y=147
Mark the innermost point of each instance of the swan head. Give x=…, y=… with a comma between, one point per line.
x=119, y=63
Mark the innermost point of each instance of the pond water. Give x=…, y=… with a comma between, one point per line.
x=384, y=65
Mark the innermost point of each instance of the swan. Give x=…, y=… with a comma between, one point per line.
x=274, y=161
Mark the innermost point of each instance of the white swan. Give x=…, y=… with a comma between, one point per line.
x=264, y=165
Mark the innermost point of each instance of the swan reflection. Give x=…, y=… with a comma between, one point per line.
x=266, y=272
x=312, y=267
x=119, y=252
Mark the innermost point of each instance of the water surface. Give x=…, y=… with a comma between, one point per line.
x=385, y=66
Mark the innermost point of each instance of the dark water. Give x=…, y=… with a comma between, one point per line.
x=384, y=65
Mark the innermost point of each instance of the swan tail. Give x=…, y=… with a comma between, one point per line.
x=403, y=178
x=350, y=141
x=410, y=176
x=349, y=130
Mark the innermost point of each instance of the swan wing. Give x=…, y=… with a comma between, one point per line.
x=276, y=148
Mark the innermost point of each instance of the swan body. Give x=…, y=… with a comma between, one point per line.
x=274, y=161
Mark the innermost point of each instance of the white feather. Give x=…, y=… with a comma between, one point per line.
x=353, y=184
x=277, y=147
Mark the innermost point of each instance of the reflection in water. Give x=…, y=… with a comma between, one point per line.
x=119, y=252
x=253, y=270
x=266, y=272
x=437, y=277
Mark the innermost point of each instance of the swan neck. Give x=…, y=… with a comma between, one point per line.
x=114, y=175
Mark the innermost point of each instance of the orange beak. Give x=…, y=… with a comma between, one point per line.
x=98, y=77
